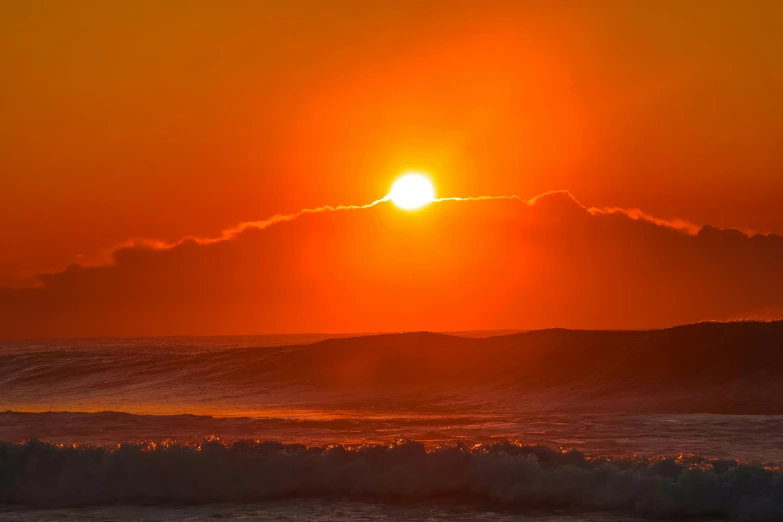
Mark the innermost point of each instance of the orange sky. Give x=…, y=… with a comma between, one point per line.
x=129, y=120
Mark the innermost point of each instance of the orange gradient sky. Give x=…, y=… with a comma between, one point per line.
x=162, y=120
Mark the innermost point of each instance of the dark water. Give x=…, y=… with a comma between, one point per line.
x=553, y=425
x=324, y=510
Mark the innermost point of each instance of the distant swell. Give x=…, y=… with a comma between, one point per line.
x=43, y=475
x=732, y=368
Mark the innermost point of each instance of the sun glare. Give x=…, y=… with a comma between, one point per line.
x=412, y=191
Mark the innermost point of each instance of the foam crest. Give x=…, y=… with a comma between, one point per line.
x=40, y=474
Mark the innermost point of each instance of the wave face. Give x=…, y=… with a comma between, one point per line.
x=718, y=368
x=43, y=475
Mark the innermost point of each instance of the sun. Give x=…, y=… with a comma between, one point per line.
x=412, y=191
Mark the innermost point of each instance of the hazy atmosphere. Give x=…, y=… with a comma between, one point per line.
x=434, y=260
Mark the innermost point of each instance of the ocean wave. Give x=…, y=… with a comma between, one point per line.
x=505, y=473
x=717, y=368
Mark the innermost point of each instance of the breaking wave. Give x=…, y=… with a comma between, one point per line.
x=508, y=474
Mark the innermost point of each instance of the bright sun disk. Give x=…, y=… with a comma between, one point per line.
x=412, y=191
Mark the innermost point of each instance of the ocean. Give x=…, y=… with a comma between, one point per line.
x=551, y=425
